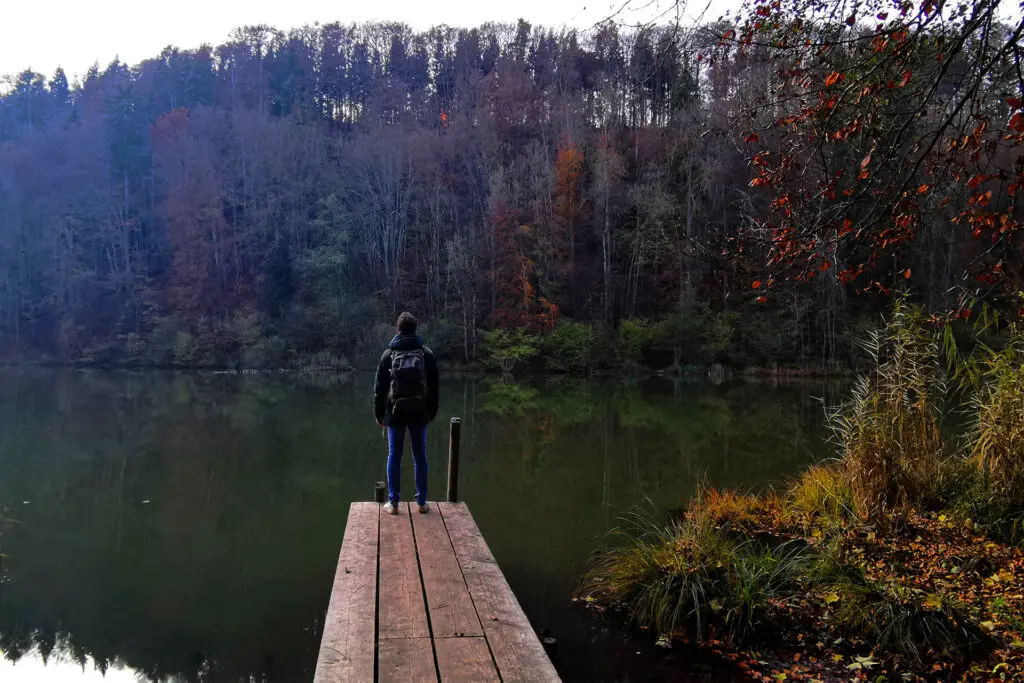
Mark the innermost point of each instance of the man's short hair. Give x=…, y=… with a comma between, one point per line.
x=407, y=323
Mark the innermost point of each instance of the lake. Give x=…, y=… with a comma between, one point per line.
x=186, y=527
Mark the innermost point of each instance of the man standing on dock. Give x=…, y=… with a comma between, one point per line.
x=405, y=397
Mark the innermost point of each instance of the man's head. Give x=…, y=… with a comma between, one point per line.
x=406, y=323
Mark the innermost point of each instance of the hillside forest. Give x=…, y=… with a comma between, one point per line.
x=647, y=195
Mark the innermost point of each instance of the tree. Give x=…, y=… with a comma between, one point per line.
x=881, y=122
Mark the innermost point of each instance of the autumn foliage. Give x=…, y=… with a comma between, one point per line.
x=886, y=124
x=518, y=305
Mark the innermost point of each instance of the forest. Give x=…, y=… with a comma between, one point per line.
x=608, y=196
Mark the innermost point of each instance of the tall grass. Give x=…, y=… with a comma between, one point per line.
x=888, y=430
x=997, y=440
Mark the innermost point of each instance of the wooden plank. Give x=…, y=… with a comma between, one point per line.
x=346, y=650
x=405, y=659
x=517, y=650
x=452, y=613
x=465, y=659
x=402, y=612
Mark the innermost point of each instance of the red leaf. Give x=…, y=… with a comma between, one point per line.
x=851, y=20
x=756, y=284
x=975, y=181
x=1014, y=102
x=751, y=138
x=922, y=189
x=1017, y=122
x=906, y=78
x=761, y=299
x=865, y=161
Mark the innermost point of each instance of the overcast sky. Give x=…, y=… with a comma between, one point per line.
x=73, y=34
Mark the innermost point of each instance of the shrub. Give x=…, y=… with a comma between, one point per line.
x=570, y=347
x=184, y=349
x=160, y=344
x=268, y=352
x=446, y=338
x=636, y=338
x=371, y=342
x=695, y=334
x=505, y=349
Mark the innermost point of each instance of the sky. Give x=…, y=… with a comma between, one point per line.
x=74, y=34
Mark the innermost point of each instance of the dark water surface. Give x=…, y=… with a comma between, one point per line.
x=185, y=527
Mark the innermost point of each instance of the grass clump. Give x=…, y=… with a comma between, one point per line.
x=915, y=624
x=733, y=509
x=821, y=494
x=691, y=576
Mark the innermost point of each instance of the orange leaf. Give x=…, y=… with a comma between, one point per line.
x=865, y=161
x=832, y=79
x=975, y=181
x=906, y=274
x=756, y=284
x=922, y=189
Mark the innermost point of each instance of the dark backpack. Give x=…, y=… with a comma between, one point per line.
x=408, y=382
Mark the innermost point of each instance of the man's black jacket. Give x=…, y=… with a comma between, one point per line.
x=382, y=408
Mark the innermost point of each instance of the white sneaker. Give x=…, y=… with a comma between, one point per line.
x=424, y=509
x=390, y=509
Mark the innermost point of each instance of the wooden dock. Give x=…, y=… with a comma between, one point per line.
x=420, y=597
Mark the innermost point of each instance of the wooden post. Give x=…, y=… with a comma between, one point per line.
x=454, y=440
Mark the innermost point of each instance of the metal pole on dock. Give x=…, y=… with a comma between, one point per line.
x=454, y=440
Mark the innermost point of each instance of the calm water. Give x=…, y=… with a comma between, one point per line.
x=185, y=527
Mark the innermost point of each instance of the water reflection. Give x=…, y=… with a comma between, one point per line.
x=186, y=527
x=59, y=667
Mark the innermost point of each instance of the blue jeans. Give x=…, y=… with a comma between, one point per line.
x=396, y=443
